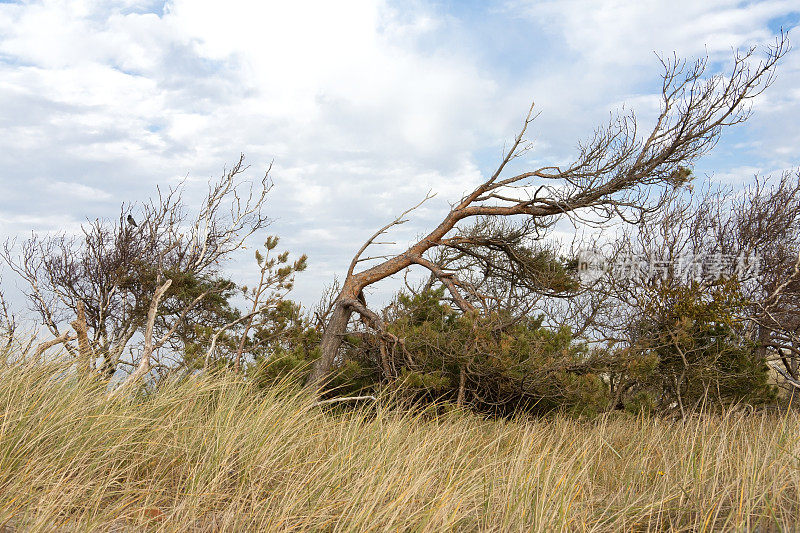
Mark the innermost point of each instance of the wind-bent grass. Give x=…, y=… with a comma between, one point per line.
x=208, y=455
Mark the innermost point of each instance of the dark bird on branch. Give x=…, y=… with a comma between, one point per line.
x=132, y=222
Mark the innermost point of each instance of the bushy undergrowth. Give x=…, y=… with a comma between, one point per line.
x=687, y=350
x=208, y=454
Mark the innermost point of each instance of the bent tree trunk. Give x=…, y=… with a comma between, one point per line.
x=614, y=172
x=331, y=339
x=348, y=301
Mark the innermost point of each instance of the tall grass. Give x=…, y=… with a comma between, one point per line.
x=209, y=455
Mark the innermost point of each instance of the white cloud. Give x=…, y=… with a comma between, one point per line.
x=627, y=32
x=77, y=191
x=363, y=105
x=610, y=45
x=343, y=101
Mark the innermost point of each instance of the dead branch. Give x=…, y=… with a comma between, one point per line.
x=43, y=347
x=85, y=354
x=147, y=352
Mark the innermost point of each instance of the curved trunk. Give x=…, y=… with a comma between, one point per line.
x=331, y=341
x=355, y=283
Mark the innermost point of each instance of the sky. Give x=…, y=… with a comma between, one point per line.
x=362, y=106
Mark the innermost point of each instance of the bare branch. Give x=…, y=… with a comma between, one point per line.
x=144, y=363
x=397, y=221
x=43, y=347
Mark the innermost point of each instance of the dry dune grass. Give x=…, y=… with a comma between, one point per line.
x=207, y=455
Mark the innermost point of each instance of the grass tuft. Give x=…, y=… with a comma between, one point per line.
x=210, y=455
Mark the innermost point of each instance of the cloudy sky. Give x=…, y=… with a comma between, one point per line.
x=364, y=106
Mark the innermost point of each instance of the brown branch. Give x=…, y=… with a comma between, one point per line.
x=85, y=357
x=396, y=222
x=447, y=279
x=147, y=352
x=63, y=338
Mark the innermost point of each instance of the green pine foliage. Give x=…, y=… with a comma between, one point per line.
x=509, y=364
x=692, y=349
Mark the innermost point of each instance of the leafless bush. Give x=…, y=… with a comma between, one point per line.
x=148, y=274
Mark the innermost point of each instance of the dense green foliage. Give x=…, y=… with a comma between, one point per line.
x=508, y=363
x=689, y=348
